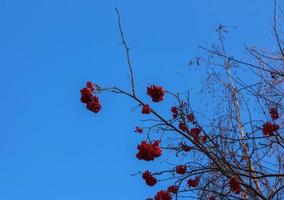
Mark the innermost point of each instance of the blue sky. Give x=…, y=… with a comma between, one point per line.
x=50, y=146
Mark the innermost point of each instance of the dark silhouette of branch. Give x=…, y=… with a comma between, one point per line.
x=127, y=51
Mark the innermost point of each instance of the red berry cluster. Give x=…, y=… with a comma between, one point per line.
x=212, y=198
x=273, y=113
x=87, y=97
x=181, y=169
x=138, y=130
x=185, y=147
x=148, y=151
x=146, y=109
x=156, y=93
x=182, y=126
x=235, y=185
x=174, y=110
x=149, y=178
x=163, y=195
x=172, y=189
x=204, y=138
x=193, y=182
x=190, y=117
x=195, y=133
x=268, y=128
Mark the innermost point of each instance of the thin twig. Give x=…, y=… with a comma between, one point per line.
x=275, y=29
x=127, y=51
x=239, y=61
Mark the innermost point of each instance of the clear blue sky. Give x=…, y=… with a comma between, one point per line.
x=51, y=148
